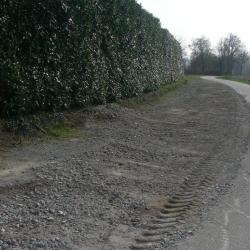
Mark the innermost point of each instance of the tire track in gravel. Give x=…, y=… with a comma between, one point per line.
x=140, y=180
x=186, y=202
x=174, y=212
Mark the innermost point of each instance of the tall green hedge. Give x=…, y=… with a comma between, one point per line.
x=59, y=54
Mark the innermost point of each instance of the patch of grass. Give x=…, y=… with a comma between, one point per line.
x=241, y=79
x=41, y=127
x=62, y=131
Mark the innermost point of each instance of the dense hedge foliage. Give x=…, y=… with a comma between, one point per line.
x=71, y=53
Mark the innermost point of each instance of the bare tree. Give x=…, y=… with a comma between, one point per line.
x=201, y=49
x=221, y=49
x=228, y=49
x=246, y=70
x=243, y=58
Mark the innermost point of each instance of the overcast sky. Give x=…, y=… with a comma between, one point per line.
x=189, y=19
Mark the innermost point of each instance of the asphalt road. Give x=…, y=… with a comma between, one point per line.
x=228, y=224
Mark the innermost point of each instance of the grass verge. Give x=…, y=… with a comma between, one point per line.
x=69, y=124
x=42, y=126
x=62, y=131
x=157, y=96
x=242, y=79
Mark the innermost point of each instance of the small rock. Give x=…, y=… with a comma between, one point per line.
x=61, y=213
x=50, y=219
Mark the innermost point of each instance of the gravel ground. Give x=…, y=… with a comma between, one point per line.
x=98, y=190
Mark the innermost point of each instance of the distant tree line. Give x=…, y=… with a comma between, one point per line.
x=230, y=57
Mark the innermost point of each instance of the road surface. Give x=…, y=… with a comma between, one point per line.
x=228, y=225
x=139, y=177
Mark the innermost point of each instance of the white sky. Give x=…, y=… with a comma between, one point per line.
x=189, y=19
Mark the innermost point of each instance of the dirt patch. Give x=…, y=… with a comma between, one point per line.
x=105, y=191
x=153, y=204
x=16, y=172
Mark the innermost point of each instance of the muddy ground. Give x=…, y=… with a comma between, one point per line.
x=138, y=178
